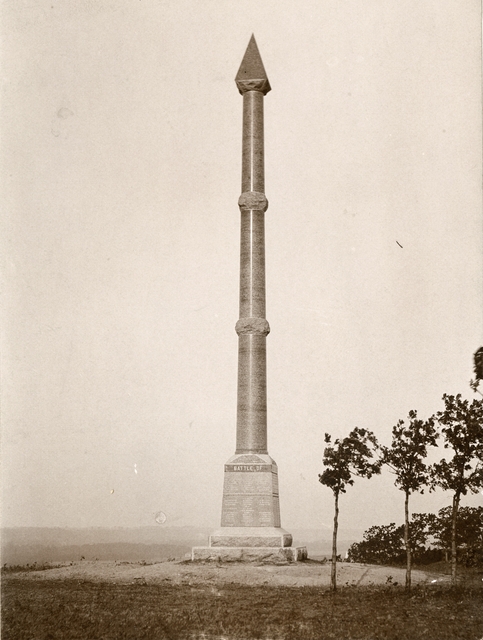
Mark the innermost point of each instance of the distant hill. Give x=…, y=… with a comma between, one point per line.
x=37, y=544
x=123, y=552
x=100, y=535
x=26, y=545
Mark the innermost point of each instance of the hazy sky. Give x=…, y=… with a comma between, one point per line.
x=121, y=164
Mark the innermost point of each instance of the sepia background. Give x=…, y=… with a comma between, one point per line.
x=121, y=161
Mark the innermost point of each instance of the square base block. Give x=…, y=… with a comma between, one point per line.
x=269, y=555
x=250, y=492
x=250, y=537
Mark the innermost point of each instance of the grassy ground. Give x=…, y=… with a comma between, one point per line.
x=51, y=610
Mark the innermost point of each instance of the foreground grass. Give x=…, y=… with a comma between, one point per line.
x=51, y=610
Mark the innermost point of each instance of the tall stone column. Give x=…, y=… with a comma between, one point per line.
x=252, y=327
x=250, y=518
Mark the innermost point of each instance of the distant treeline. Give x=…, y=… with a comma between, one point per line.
x=430, y=539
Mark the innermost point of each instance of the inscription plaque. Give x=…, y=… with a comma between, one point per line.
x=253, y=483
x=248, y=467
x=248, y=511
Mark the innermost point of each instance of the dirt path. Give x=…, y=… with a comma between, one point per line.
x=179, y=572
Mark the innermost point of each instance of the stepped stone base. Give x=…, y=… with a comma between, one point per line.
x=272, y=555
x=250, y=516
x=250, y=544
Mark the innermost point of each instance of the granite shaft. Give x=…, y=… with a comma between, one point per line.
x=253, y=170
x=252, y=327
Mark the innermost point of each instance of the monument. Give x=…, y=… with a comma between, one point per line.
x=250, y=516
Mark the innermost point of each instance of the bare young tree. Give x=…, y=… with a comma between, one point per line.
x=462, y=428
x=344, y=460
x=405, y=458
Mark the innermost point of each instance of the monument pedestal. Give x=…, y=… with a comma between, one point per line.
x=250, y=493
x=250, y=516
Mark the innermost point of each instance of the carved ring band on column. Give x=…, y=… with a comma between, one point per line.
x=254, y=326
x=253, y=201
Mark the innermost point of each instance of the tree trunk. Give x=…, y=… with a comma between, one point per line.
x=407, y=543
x=333, y=571
x=456, y=502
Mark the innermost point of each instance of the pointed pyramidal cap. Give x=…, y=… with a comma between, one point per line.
x=251, y=75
